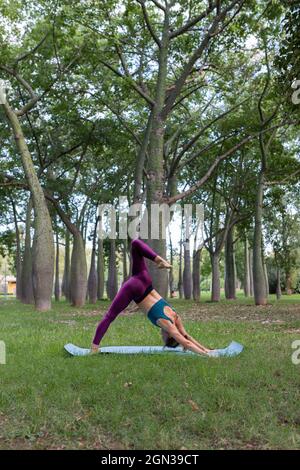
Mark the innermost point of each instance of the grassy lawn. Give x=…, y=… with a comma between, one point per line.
x=50, y=400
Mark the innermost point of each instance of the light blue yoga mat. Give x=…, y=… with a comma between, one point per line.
x=233, y=349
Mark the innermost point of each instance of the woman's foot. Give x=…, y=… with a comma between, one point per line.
x=94, y=349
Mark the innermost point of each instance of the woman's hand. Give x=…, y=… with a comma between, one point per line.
x=162, y=263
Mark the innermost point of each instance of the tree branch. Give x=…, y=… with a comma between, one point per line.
x=284, y=181
x=207, y=126
x=159, y=5
x=147, y=21
x=34, y=98
x=61, y=154
x=123, y=123
x=20, y=79
x=230, y=19
x=207, y=147
x=219, y=159
x=139, y=90
x=196, y=55
x=209, y=172
x=33, y=50
x=193, y=21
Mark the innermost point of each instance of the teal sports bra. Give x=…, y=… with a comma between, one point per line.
x=157, y=311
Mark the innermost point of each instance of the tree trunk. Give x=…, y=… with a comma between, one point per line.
x=78, y=275
x=230, y=268
x=288, y=283
x=247, y=281
x=259, y=282
x=43, y=244
x=180, y=283
x=66, y=277
x=85, y=228
x=159, y=276
x=112, y=282
x=171, y=276
x=125, y=269
x=215, y=282
x=266, y=277
x=251, y=271
x=140, y=162
x=26, y=279
x=57, y=284
x=93, y=281
x=78, y=281
x=196, y=274
x=278, y=284
x=187, y=275
x=100, y=270
x=18, y=254
x=155, y=166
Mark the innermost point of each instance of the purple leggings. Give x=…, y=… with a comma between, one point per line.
x=133, y=289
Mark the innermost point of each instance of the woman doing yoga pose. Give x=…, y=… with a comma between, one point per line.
x=139, y=288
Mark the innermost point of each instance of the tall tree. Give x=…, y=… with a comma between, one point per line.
x=26, y=279
x=43, y=244
x=93, y=278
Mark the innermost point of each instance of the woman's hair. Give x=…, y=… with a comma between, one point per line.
x=168, y=340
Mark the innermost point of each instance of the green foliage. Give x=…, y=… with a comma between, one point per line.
x=282, y=232
x=85, y=133
x=288, y=58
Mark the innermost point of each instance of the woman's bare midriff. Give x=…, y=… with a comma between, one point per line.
x=150, y=300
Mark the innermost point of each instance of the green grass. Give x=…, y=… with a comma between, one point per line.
x=50, y=400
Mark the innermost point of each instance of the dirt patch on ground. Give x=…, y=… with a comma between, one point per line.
x=67, y=322
x=46, y=441
x=234, y=312
x=130, y=311
x=208, y=311
x=84, y=313
x=3, y=421
x=50, y=443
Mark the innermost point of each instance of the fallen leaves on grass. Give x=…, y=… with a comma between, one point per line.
x=127, y=384
x=194, y=405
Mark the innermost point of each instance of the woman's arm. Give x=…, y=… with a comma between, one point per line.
x=182, y=330
x=184, y=342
